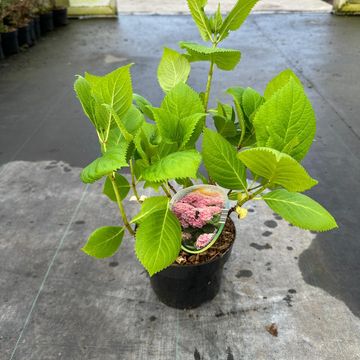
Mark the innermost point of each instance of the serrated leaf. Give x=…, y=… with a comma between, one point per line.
x=280, y=81
x=225, y=59
x=83, y=92
x=115, y=90
x=112, y=160
x=146, y=141
x=158, y=241
x=300, y=210
x=174, y=130
x=143, y=105
x=112, y=114
x=237, y=93
x=149, y=206
x=196, y=8
x=182, y=101
x=173, y=69
x=181, y=164
x=278, y=168
x=122, y=185
x=221, y=162
x=236, y=17
x=251, y=101
x=104, y=242
x=286, y=122
x=133, y=120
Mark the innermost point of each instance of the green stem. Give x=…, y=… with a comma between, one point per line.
x=171, y=187
x=166, y=191
x=120, y=205
x=133, y=184
x=208, y=85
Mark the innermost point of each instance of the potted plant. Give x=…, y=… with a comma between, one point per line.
x=8, y=34
x=20, y=18
x=44, y=10
x=60, y=12
x=251, y=148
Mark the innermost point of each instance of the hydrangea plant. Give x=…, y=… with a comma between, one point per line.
x=252, y=147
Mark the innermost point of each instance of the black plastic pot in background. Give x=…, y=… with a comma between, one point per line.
x=60, y=17
x=2, y=56
x=32, y=31
x=46, y=23
x=37, y=27
x=189, y=286
x=24, y=35
x=9, y=41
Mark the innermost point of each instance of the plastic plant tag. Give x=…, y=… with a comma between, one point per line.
x=202, y=211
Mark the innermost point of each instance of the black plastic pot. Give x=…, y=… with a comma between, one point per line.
x=1, y=51
x=24, y=35
x=189, y=286
x=9, y=41
x=32, y=32
x=60, y=17
x=46, y=22
x=37, y=27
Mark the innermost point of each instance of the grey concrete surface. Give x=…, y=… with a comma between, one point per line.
x=166, y=7
x=56, y=303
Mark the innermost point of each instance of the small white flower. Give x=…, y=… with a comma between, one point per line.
x=143, y=198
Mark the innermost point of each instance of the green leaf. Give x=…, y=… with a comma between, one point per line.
x=104, y=242
x=280, y=81
x=122, y=185
x=182, y=101
x=149, y=206
x=173, y=69
x=158, y=241
x=237, y=93
x=133, y=120
x=112, y=160
x=196, y=8
x=112, y=113
x=278, y=168
x=286, y=122
x=225, y=59
x=251, y=101
x=115, y=90
x=174, y=130
x=83, y=92
x=221, y=161
x=181, y=164
x=146, y=141
x=143, y=105
x=300, y=210
x=236, y=17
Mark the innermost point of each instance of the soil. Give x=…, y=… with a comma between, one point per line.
x=221, y=245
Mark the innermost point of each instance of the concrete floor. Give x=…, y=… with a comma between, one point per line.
x=56, y=303
x=180, y=7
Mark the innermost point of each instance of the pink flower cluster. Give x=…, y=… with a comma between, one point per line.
x=198, y=208
x=203, y=240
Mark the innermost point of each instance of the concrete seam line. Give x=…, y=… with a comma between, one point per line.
x=73, y=216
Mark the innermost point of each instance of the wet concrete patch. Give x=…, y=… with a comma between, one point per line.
x=256, y=246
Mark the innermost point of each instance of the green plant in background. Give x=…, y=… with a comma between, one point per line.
x=5, y=8
x=261, y=137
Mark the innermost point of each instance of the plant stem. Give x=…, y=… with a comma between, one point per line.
x=166, y=191
x=133, y=184
x=208, y=85
x=171, y=187
x=121, y=207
